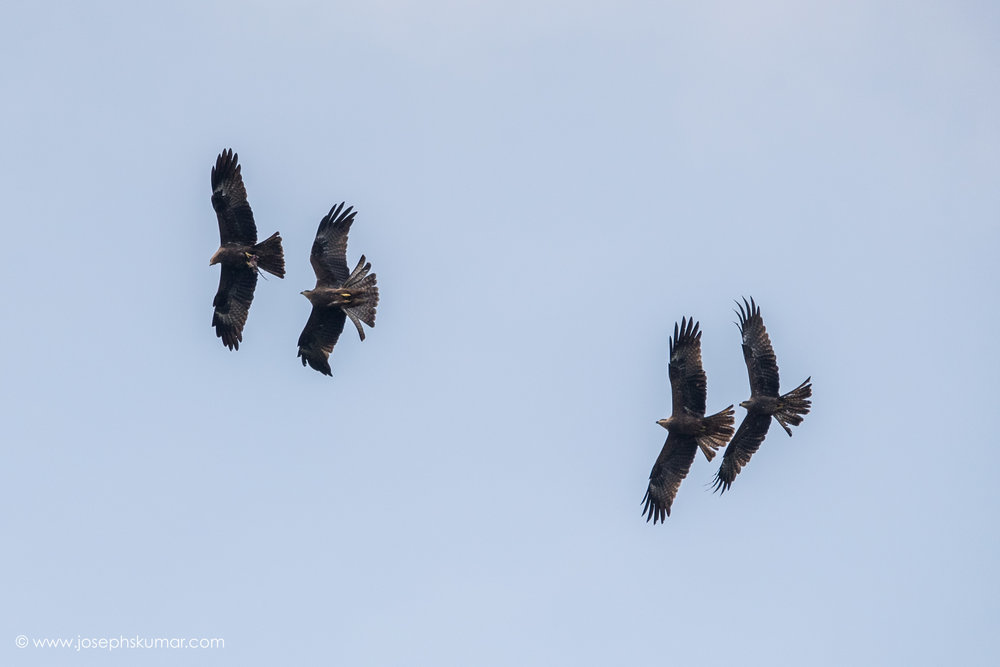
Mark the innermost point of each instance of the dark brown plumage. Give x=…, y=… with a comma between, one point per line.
x=338, y=294
x=764, y=401
x=239, y=253
x=689, y=429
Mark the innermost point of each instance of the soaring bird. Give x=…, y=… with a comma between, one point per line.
x=764, y=401
x=239, y=253
x=689, y=429
x=338, y=294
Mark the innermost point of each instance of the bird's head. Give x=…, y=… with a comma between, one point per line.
x=215, y=258
x=745, y=404
x=665, y=423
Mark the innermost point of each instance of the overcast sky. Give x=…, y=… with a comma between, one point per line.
x=543, y=189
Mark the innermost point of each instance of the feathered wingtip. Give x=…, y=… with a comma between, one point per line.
x=227, y=183
x=719, y=484
x=231, y=336
x=687, y=332
x=338, y=219
x=653, y=509
x=751, y=311
x=316, y=362
x=226, y=166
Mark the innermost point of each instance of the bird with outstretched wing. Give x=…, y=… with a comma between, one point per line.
x=239, y=253
x=688, y=427
x=764, y=402
x=339, y=293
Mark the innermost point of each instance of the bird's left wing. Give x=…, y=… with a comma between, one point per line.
x=688, y=384
x=762, y=365
x=229, y=199
x=329, y=250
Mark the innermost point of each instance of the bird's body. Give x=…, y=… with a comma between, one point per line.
x=329, y=297
x=688, y=427
x=690, y=424
x=767, y=404
x=239, y=254
x=235, y=254
x=683, y=424
x=764, y=402
x=338, y=294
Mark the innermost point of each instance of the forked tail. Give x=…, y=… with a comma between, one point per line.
x=793, y=405
x=270, y=256
x=364, y=296
x=718, y=429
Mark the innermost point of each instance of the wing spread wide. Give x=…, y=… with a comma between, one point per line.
x=320, y=334
x=670, y=469
x=687, y=378
x=762, y=366
x=232, y=303
x=229, y=199
x=329, y=250
x=744, y=444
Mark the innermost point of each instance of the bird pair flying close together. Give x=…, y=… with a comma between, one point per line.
x=690, y=430
x=339, y=293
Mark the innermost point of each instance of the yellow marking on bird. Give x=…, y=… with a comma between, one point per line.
x=346, y=295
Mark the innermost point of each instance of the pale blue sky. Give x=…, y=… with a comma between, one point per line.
x=543, y=190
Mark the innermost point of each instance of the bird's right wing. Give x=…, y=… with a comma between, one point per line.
x=232, y=303
x=670, y=469
x=320, y=334
x=743, y=445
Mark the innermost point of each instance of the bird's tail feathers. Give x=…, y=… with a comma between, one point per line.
x=270, y=256
x=793, y=405
x=359, y=273
x=718, y=431
x=364, y=296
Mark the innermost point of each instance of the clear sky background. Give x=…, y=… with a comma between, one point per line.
x=543, y=189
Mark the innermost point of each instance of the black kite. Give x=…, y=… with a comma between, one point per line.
x=689, y=428
x=338, y=294
x=764, y=401
x=239, y=253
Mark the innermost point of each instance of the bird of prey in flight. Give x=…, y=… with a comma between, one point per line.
x=239, y=253
x=764, y=402
x=688, y=427
x=339, y=292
